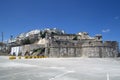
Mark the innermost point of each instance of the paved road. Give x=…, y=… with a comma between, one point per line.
x=60, y=69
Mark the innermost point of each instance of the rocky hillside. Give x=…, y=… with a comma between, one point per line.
x=33, y=36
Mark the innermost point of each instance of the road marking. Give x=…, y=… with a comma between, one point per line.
x=60, y=75
x=108, y=77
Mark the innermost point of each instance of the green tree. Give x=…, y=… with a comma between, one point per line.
x=43, y=34
x=26, y=41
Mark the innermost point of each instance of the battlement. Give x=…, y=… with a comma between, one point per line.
x=79, y=36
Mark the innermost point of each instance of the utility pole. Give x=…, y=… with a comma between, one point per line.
x=2, y=37
x=1, y=41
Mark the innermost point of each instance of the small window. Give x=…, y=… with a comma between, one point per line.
x=99, y=38
x=90, y=42
x=65, y=43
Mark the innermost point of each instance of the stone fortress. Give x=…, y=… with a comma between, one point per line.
x=56, y=43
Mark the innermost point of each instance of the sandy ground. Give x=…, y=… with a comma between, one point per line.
x=60, y=69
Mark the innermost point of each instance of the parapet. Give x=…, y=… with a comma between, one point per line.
x=98, y=37
x=111, y=43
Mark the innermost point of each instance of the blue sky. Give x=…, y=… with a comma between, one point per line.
x=73, y=16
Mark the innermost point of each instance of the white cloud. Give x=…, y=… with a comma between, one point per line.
x=117, y=17
x=105, y=30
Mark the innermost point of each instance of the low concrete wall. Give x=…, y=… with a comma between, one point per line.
x=24, y=48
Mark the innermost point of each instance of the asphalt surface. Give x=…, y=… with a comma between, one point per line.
x=60, y=69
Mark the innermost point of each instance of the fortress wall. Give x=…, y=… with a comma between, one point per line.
x=86, y=48
x=90, y=52
x=109, y=52
x=54, y=52
x=83, y=52
x=72, y=52
x=110, y=49
x=64, y=52
x=78, y=52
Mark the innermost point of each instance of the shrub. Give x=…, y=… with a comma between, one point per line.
x=26, y=41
